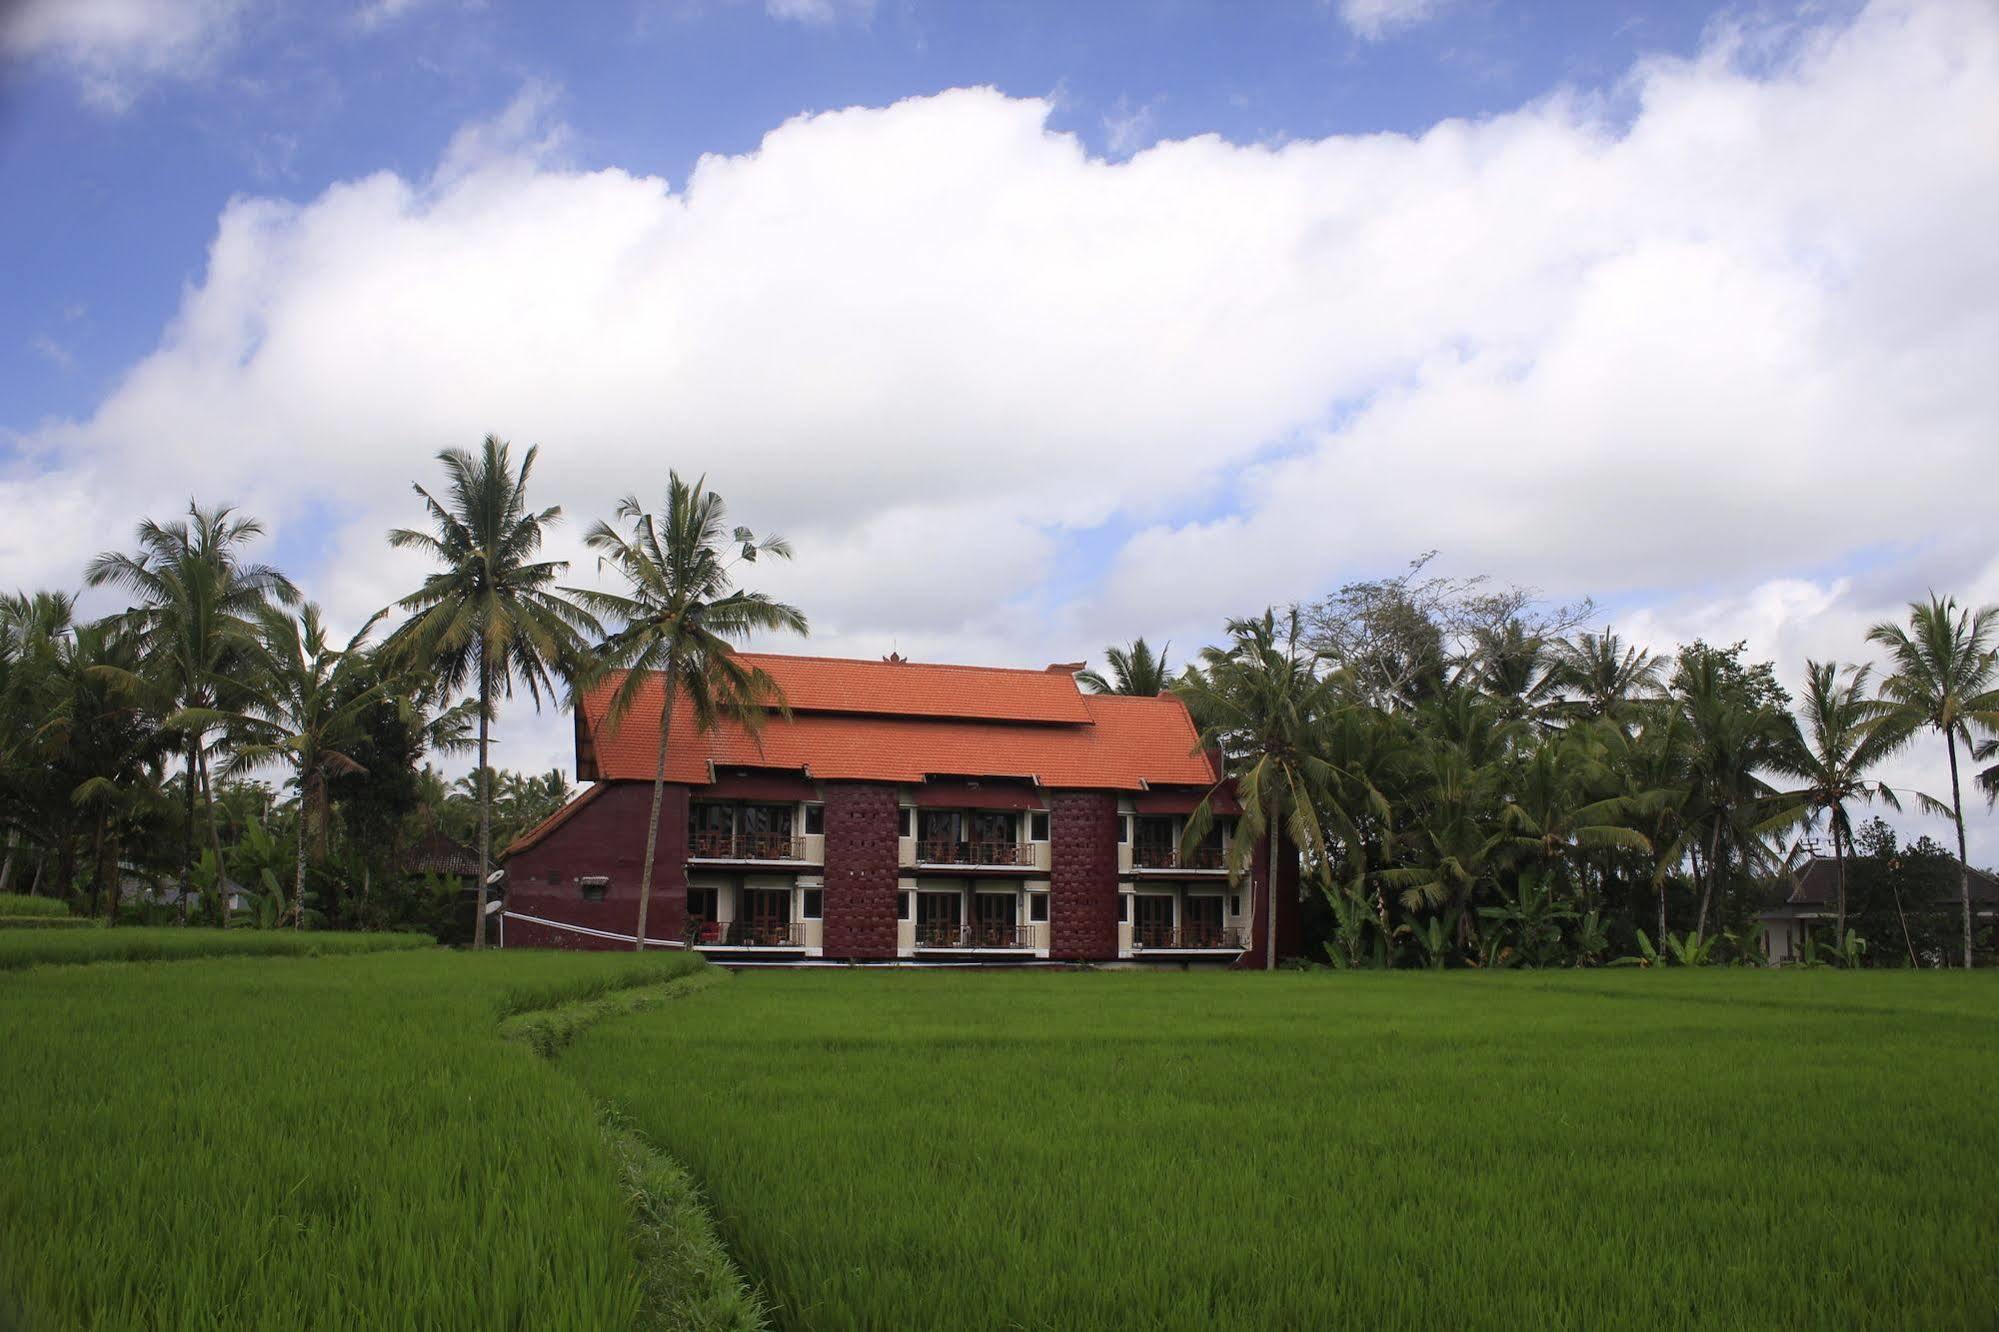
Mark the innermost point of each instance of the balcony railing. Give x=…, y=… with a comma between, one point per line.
x=745, y=934
x=932, y=935
x=942, y=851
x=1165, y=855
x=703, y=845
x=1186, y=936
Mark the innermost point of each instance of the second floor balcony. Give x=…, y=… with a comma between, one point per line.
x=1186, y=938
x=977, y=935
x=745, y=934
x=950, y=851
x=708, y=845
x=1169, y=856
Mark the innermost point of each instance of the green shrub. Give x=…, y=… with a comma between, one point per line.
x=24, y=904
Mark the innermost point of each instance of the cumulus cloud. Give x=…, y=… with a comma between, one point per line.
x=1376, y=19
x=1012, y=401
x=115, y=47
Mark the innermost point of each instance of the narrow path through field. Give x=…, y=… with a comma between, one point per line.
x=689, y=1279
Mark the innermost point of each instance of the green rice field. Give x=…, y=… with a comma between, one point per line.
x=1311, y=1150
x=429, y=1139
x=30, y=948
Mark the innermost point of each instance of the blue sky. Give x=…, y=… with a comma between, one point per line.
x=1034, y=326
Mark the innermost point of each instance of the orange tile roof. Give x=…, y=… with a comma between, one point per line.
x=922, y=689
x=1116, y=743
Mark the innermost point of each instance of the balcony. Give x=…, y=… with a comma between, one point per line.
x=703, y=845
x=936, y=851
x=1166, y=856
x=745, y=934
x=974, y=936
x=1186, y=938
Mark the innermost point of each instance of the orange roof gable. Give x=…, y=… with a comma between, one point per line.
x=889, y=735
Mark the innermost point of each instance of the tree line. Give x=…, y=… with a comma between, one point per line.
x=1470, y=776
x=1474, y=778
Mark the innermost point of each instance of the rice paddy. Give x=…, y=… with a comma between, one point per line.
x=258, y=1142
x=1573, y=1150
x=434, y=1139
x=32, y=947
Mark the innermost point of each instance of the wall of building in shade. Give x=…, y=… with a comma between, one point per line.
x=859, y=888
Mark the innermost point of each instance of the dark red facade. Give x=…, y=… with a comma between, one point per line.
x=1083, y=875
x=605, y=838
x=862, y=871
x=1290, y=919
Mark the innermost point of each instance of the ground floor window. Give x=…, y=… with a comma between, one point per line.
x=702, y=904
x=993, y=919
x=937, y=917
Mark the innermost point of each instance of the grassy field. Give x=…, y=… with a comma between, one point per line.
x=306, y=1142
x=1113, y=1150
x=34, y=948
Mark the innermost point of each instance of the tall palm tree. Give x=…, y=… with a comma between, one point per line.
x=1943, y=676
x=1832, y=748
x=199, y=601
x=491, y=613
x=1604, y=676
x=1134, y=670
x=1260, y=702
x=301, y=711
x=680, y=620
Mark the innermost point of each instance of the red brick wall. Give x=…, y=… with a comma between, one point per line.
x=861, y=870
x=1290, y=923
x=1082, y=880
x=607, y=837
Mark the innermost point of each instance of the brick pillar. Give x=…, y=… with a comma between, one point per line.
x=1290, y=922
x=861, y=870
x=1082, y=878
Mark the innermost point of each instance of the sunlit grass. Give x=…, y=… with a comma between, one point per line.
x=289, y=1143
x=1583, y=1150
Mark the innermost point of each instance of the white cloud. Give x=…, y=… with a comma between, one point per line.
x=819, y=12
x=1376, y=19
x=115, y=47
x=1743, y=336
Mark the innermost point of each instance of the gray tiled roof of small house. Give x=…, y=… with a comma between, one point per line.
x=1817, y=883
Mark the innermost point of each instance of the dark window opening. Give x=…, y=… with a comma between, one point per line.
x=701, y=904
x=1037, y=827
x=902, y=912
x=1123, y=829
x=810, y=910
x=1154, y=927
x=903, y=821
x=1235, y=905
x=1037, y=907
x=1123, y=908
x=815, y=820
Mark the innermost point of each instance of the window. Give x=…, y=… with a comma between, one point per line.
x=1037, y=907
x=903, y=824
x=593, y=887
x=993, y=828
x=903, y=913
x=810, y=910
x=1037, y=827
x=815, y=820
x=701, y=904
x=555, y=876
x=1123, y=828
x=1123, y=908
x=1235, y=905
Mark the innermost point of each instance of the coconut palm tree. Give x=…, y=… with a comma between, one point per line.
x=199, y=602
x=681, y=618
x=491, y=613
x=300, y=710
x=1603, y=675
x=1830, y=750
x=1260, y=702
x=1134, y=670
x=1943, y=676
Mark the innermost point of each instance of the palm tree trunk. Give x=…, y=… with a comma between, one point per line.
x=1839, y=862
x=1274, y=837
x=658, y=797
x=187, y=847
x=485, y=798
x=221, y=904
x=41, y=863
x=1963, y=865
x=7, y=866
x=1707, y=881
